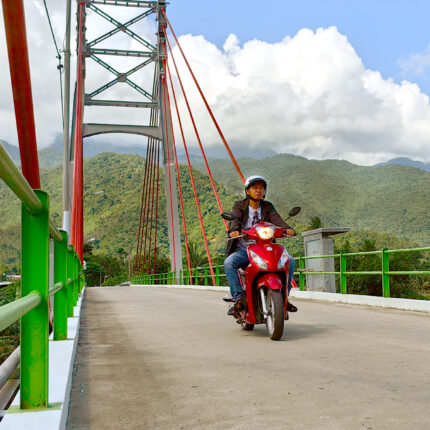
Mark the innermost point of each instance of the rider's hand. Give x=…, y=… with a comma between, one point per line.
x=290, y=232
x=234, y=234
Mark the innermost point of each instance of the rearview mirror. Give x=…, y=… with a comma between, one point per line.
x=227, y=216
x=295, y=211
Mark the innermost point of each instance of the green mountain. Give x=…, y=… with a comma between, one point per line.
x=112, y=217
x=389, y=199
x=392, y=199
x=48, y=157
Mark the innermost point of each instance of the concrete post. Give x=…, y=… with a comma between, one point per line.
x=318, y=242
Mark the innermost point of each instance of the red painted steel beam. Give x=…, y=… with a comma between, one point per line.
x=77, y=235
x=16, y=37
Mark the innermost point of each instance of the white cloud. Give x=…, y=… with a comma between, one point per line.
x=44, y=73
x=309, y=94
x=416, y=64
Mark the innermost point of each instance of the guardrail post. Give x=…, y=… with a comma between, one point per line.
x=217, y=276
x=206, y=275
x=385, y=276
x=70, y=275
x=196, y=276
x=302, y=286
x=343, y=286
x=77, y=264
x=60, y=298
x=35, y=324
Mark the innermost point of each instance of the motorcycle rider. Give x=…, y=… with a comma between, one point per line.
x=246, y=213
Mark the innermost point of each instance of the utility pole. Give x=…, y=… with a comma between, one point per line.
x=66, y=116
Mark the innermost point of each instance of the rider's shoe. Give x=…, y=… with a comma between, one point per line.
x=291, y=307
x=236, y=308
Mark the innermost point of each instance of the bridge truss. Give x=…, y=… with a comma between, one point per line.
x=159, y=129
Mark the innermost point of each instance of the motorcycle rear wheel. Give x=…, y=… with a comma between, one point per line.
x=275, y=317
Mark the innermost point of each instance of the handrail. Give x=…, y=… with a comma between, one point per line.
x=37, y=227
x=385, y=273
x=54, y=231
x=55, y=288
x=9, y=366
x=15, y=180
x=17, y=183
x=15, y=310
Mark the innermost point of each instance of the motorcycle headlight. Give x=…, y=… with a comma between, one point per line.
x=284, y=258
x=265, y=233
x=257, y=259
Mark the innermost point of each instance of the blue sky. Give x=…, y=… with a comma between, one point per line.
x=381, y=31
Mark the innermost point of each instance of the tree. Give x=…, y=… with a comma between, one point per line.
x=198, y=256
x=314, y=224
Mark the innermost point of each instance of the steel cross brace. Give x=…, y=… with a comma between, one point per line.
x=128, y=3
x=120, y=27
x=119, y=52
x=121, y=77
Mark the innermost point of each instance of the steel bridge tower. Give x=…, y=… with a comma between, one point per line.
x=159, y=123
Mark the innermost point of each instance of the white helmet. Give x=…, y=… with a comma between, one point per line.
x=253, y=179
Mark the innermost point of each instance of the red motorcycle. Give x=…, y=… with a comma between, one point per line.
x=265, y=279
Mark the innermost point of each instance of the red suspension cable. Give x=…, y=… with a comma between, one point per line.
x=146, y=205
x=192, y=179
x=176, y=163
x=142, y=208
x=156, y=206
x=205, y=102
x=196, y=132
x=150, y=198
x=163, y=81
x=136, y=264
x=152, y=210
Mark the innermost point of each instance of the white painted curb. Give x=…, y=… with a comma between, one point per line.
x=61, y=359
x=350, y=299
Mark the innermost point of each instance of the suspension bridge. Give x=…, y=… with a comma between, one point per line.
x=161, y=353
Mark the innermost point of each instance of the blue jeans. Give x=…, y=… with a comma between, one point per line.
x=239, y=259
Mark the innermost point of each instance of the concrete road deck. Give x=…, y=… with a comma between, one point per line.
x=171, y=359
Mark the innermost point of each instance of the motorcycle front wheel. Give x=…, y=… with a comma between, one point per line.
x=275, y=314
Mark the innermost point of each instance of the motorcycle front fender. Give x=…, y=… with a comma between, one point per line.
x=270, y=280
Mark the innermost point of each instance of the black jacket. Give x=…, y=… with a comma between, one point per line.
x=240, y=213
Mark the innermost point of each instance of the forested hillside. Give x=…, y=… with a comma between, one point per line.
x=392, y=199
x=389, y=199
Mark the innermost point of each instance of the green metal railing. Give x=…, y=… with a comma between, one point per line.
x=33, y=308
x=202, y=273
